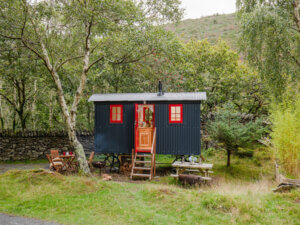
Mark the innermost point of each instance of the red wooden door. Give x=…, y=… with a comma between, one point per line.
x=143, y=129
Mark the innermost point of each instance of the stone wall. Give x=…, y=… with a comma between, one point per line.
x=35, y=145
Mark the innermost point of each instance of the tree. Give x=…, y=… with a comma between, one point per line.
x=82, y=32
x=229, y=129
x=17, y=72
x=270, y=40
x=217, y=70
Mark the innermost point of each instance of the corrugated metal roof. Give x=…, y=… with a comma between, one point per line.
x=131, y=97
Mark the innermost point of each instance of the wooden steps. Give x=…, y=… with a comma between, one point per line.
x=142, y=161
x=143, y=164
x=142, y=168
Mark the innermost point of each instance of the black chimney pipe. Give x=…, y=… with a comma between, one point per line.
x=160, y=92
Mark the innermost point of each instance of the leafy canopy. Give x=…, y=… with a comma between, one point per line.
x=270, y=40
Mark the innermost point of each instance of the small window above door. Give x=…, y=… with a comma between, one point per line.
x=116, y=113
x=175, y=113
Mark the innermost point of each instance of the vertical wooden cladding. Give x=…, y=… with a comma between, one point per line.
x=172, y=138
x=114, y=137
x=178, y=138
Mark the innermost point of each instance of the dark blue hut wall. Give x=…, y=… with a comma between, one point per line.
x=175, y=139
x=114, y=138
x=178, y=139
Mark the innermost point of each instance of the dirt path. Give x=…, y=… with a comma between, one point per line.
x=6, y=167
x=6, y=219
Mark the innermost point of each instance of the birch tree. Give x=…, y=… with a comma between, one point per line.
x=270, y=40
x=80, y=32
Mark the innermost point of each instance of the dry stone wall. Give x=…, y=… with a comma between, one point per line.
x=35, y=145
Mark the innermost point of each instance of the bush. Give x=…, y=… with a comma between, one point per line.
x=286, y=134
x=229, y=129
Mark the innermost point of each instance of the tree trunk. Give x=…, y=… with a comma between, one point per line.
x=22, y=119
x=70, y=116
x=1, y=116
x=80, y=155
x=14, y=114
x=296, y=5
x=228, y=157
x=71, y=129
x=34, y=106
x=84, y=167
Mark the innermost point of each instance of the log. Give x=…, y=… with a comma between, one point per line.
x=284, y=187
x=285, y=184
x=192, y=179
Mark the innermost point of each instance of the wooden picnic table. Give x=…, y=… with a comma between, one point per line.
x=68, y=162
x=181, y=167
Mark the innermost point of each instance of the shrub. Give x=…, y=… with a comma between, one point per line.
x=286, y=133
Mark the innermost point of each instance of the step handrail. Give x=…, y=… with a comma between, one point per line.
x=153, y=140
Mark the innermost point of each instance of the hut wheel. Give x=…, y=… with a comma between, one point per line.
x=112, y=161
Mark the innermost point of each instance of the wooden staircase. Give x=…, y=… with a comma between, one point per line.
x=143, y=164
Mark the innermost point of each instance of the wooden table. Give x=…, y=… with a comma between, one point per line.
x=68, y=162
x=181, y=167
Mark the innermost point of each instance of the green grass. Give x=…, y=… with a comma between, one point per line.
x=84, y=200
x=258, y=167
x=211, y=28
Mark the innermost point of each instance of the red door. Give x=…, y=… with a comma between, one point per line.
x=144, y=127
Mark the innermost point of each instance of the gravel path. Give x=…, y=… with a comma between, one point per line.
x=5, y=167
x=6, y=219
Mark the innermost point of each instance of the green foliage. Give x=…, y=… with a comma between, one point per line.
x=270, y=37
x=116, y=35
x=217, y=70
x=229, y=129
x=286, y=132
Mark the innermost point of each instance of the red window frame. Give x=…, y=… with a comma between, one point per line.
x=170, y=113
x=111, y=114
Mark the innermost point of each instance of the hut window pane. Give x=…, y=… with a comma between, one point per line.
x=175, y=113
x=116, y=113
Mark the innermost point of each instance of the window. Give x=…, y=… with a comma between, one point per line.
x=116, y=113
x=144, y=113
x=175, y=113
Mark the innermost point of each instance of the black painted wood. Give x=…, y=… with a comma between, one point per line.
x=174, y=139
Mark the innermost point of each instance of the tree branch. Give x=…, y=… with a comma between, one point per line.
x=10, y=37
x=68, y=60
x=96, y=61
x=8, y=100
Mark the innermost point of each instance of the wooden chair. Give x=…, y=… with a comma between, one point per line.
x=91, y=158
x=56, y=164
x=54, y=153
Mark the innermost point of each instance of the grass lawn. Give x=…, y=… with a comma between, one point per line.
x=236, y=197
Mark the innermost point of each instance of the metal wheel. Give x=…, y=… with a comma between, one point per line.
x=112, y=161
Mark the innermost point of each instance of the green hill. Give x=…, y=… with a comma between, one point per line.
x=211, y=28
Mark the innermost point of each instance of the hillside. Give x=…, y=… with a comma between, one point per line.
x=211, y=28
